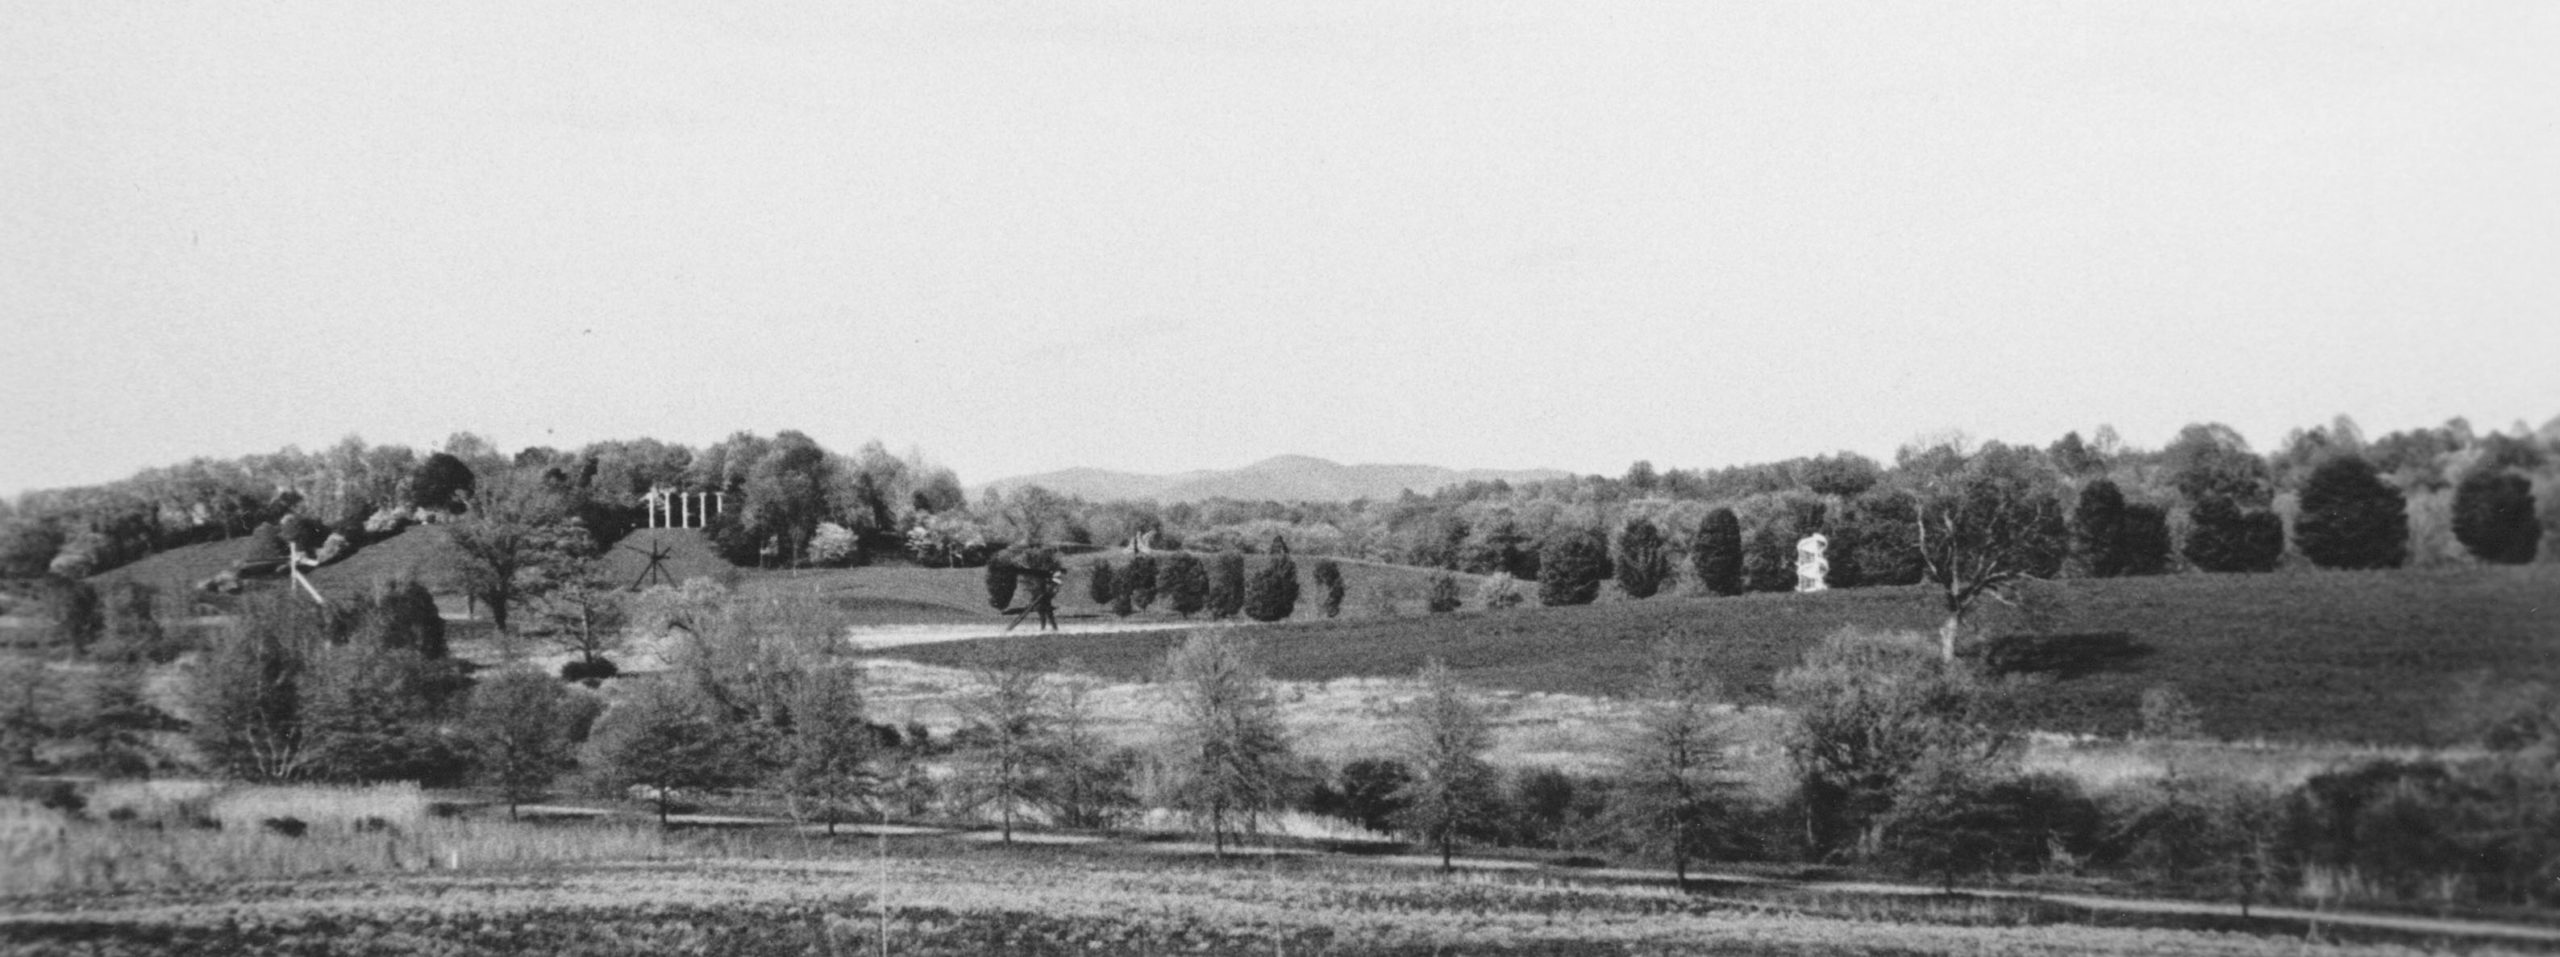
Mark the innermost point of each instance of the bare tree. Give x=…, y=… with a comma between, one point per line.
x=1006, y=724
x=828, y=756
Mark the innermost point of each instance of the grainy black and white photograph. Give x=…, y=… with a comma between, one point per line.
x=1379, y=479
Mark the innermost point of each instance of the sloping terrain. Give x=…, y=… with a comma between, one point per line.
x=415, y=553
x=2369, y=657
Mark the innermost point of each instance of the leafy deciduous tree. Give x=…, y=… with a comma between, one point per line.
x=1644, y=559
x=517, y=726
x=1443, y=737
x=1673, y=770
x=1571, y=565
x=2350, y=517
x=2493, y=516
x=1226, y=754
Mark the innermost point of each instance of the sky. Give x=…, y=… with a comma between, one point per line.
x=1022, y=235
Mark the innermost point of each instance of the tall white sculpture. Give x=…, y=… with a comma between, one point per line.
x=1811, y=567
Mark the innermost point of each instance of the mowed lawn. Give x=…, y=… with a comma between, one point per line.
x=2390, y=658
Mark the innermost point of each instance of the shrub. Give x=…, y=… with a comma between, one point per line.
x=1443, y=596
x=590, y=672
x=1499, y=591
x=1967, y=824
x=1367, y=792
x=1717, y=553
x=2351, y=518
x=834, y=545
x=74, y=616
x=2493, y=517
x=400, y=613
x=1572, y=563
x=1000, y=584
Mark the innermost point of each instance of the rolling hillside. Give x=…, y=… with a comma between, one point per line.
x=413, y=553
x=1284, y=478
x=2373, y=657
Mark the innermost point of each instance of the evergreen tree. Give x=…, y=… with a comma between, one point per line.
x=1717, y=553
x=2493, y=516
x=1329, y=579
x=1186, y=583
x=1000, y=583
x=1272, y=593
x=373, y=713
x=1644, y=559
x=247, y=688
x=1571, y=565
x=2097, y=527
x=1138, y=581
x=1100, y=584
x=2143, y=545
x=1226, y=584
x=2227, y=538
x=2350, y=517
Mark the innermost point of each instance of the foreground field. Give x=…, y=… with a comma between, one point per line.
x=1043, y=903
x=2358, y=657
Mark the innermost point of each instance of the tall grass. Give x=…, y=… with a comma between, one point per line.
x=223, y=837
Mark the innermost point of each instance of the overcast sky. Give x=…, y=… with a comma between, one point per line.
x=1161, y=236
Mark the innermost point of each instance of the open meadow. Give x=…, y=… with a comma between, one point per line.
x=2377, y=658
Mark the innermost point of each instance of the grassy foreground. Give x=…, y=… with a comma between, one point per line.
x=944, y=901
x=2361, y=657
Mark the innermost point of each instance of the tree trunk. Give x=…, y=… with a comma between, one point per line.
x=1947, y=634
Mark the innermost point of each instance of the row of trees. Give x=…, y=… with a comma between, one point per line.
x=2204, y=502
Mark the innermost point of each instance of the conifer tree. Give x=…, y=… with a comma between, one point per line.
x=1329, y=579
x=1717, y=554
x=1226, y=584
x=1138, y=581
x=1100, y=585
x=1186, y=583
x=1272, y=593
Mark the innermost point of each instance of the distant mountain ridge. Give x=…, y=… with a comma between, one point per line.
x=1285, y=478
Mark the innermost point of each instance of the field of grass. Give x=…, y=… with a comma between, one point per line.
x=414, y=553
x=955, y=898
x=2385, y=658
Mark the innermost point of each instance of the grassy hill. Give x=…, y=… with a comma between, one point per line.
x=413, y=553
x=2375, y=657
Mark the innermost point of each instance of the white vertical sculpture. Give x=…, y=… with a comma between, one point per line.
x=1811, y=567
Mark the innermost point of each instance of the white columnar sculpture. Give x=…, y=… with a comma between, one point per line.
x=1811, y=567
